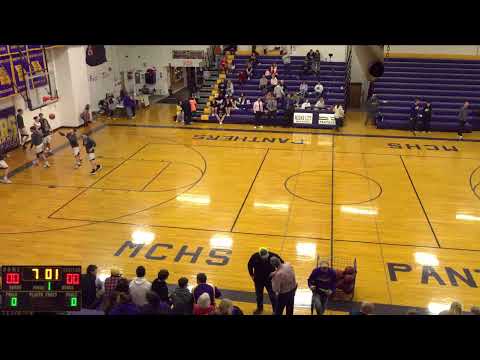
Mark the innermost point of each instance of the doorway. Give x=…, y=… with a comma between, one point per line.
x=355, y=95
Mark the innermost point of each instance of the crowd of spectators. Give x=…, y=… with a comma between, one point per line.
x=117, y=295
x=275, y=94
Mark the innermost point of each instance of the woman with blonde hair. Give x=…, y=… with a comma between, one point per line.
x=225, y=307
x=203, y=305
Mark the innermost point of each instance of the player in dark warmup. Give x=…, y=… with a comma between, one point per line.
x=415, y=115
x=22, y=129
x=90, y=149
x=37, y=142
x=73, y=140
x=47, y=133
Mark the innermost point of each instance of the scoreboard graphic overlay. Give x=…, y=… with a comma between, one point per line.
x=41, y=288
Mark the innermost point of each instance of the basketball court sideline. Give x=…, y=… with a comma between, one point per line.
x=407, y=209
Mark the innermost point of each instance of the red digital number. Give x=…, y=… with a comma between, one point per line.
x=13, y=278
x=73, y=279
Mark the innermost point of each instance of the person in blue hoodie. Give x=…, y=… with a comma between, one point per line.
x=322, y=282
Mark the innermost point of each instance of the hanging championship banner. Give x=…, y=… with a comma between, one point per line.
x=3, y=50
x=19, y=67
x=8, y=129
x=18, y=49
x=6, y=79
x=37, y=65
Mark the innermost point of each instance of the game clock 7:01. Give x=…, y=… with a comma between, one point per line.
x=41, y=288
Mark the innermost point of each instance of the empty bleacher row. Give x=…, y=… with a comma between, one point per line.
x=332, y=77
x=447, y=84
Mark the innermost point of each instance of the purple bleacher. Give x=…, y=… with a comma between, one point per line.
x=332, y=77
x=446, y=83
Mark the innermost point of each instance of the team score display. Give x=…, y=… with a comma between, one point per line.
x=41, y=288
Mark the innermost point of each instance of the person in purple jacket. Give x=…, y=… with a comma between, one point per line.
x=322, y=282
x=203, y=287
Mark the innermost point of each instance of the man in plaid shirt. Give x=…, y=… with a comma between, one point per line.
x=112, y=281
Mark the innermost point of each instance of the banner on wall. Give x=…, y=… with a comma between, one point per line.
x=8, y=130
x=37, y=65
x=6, y=78
x=303, y=118
x=20, y=68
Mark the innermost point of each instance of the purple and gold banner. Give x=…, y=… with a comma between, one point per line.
x=16, y=49
x=8, y=129
x=37, y=65
x=6, y=79
x=3, y=50
x=20, y=67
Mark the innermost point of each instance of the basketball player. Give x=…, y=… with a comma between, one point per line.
x=37, y=141
x=21, y=129
x=47, y=133
x=4, y=167
x=73, y=140
x=90, y=149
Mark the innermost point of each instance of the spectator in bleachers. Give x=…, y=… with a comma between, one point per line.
x=284, y=285
x=462, y=119
x=274, y=81
x=322, y=282
x=287, y=60
x=339, y=113
x=320, y=104
x=159, y=285
x=263, y=84
x=318, y=89
x=316, y=62
x=249, y=71
x=229, y=105
x=310, y=55
x=230, y=67
x=268, y=74
x=415, y=114
x=475, y=310
x=260, y=269
x=306, y=104
x=284, y=86
x=272, y=107
x=242, y=101
x=125, y=306
x=296, y=98
x=229, y=88
x=289, y=107
x=303, y=88
x=221, y=112
x=258, y=112
x=253, y=59
x=112, y=281
x=365, y=309
x=204, y=287
x=306, y=67
x=139, y=287
x=181, y=298
x=155, y=306
x=89, y=288
x=274, y=69
x=242, y=77
x=279, y=93
x=123, y=286
x=427, y=116
x=203, y=305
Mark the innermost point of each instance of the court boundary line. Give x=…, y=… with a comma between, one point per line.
x=156, y=176
x=332, y=203
x=295, y=132
x=250, y=189
x=420, y=201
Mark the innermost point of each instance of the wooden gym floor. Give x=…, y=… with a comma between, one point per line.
x=204, y=198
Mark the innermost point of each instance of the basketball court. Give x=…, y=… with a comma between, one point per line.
x=205, y=198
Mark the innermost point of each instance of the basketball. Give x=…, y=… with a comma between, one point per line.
x=51, y=116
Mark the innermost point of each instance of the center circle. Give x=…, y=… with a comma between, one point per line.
x=316, y=186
